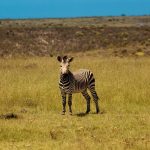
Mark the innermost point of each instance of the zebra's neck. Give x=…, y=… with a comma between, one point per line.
x=66, y=76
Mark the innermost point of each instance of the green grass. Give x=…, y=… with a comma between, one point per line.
x=29, y=88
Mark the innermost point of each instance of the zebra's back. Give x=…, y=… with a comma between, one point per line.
x=82, y=78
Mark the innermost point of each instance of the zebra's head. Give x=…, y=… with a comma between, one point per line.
x=64, y=63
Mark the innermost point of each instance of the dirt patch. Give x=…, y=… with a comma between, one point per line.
x=9, y=116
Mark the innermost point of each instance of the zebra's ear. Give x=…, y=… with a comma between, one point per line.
x=70, y=59
x=65, y=57
x=59, y=58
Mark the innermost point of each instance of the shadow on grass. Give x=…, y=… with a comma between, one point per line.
x=83, y=114
x=100, y=113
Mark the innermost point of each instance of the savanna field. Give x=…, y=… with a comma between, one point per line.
x=115, y=49
x=29, y=90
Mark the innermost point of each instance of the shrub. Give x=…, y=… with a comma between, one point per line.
x=79, y=33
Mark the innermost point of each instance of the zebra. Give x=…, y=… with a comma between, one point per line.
x=76, y=82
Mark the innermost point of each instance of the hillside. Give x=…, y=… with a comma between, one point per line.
x=110, y=36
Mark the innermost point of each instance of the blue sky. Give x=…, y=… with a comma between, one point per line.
x=71, y=8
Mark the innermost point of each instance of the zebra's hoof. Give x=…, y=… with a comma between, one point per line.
x=87, y=112
x=63, y=113
x=97, y=111
x=70, y=113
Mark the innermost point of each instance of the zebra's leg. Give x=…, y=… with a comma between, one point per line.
x=87, y=97
x=95, y=97
x=70, y=103
x=63, y=102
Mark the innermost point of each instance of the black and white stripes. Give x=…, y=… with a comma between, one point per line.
x=76, y=82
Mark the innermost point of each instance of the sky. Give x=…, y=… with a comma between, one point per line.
x=71, y=8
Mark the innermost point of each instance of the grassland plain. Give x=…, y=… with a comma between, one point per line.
x=29, y=88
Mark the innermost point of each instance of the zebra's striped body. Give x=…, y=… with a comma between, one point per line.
x=77, y=82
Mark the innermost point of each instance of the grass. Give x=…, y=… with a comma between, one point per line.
x=29, y=88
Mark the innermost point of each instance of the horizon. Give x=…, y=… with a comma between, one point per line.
x=78, y=17
x=42, y=9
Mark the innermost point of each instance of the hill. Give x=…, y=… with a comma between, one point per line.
x=110, y=36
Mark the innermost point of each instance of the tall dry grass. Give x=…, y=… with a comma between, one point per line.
x=29, y=88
